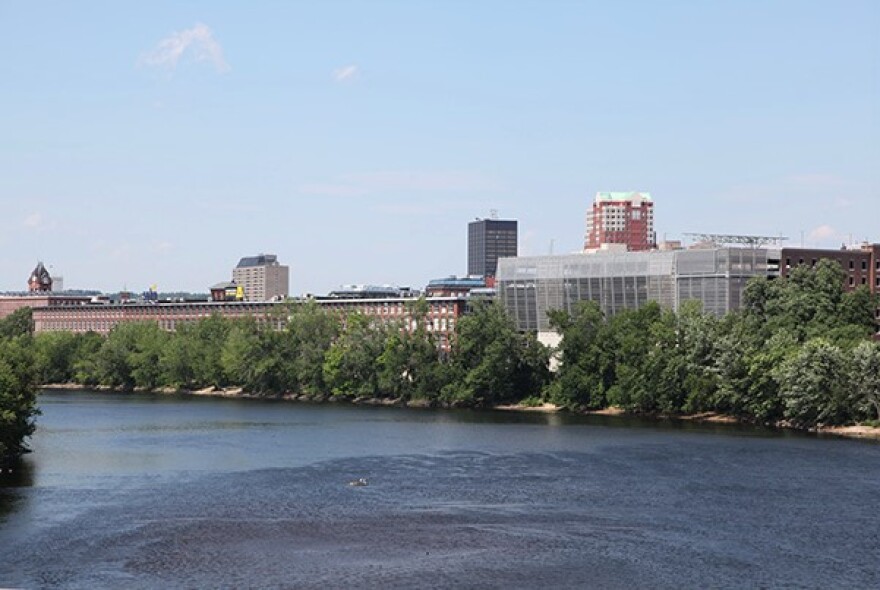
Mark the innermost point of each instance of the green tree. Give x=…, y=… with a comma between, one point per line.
x=866, y=379
x=54, y=356
x=814, y=385
x=309, y=334
x=129, y=357
x=410, y=365
x=18, y=385
x=698, y=337
x=18, y=323
x=632, y=343
x=351, y=367
x=586, y=368
x=85, y=361
x=192, y=356
x=252, y=357
x=491, y=362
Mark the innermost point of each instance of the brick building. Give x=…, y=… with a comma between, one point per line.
x=262, y=277
x=621, y=218
x=443, y=312
x=861, y=265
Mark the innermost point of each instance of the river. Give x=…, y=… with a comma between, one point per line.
x=146, y=491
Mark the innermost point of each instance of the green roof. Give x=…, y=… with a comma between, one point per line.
x=623, y=196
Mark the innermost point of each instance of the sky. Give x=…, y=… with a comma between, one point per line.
x=156, y=143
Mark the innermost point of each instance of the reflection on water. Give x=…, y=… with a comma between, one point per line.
x=20, y=475
x=159, y=491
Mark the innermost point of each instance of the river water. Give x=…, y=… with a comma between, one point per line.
x=146, y=491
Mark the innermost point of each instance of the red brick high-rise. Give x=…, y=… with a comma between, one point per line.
x=621, y=218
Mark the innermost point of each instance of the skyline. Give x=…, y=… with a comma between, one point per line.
x=160, y=145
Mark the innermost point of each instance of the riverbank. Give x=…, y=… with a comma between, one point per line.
x=849, y=431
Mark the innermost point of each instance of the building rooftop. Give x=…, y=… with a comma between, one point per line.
x=453, y=281
x=623, y=196
x=259, y=260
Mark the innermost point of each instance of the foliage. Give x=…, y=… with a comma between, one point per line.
x=866, y=378
x=813, y=385
x=491, y=362
x=18, y=384
x=585, y=360
x=410, y=365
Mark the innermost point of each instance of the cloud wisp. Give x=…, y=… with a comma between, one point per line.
x=822, y=233
x=345, y=73
x=198, y=43
x=36, y=221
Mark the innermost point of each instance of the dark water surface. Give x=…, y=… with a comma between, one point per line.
x=144, y=491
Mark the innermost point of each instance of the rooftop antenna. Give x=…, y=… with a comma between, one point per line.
x=551, y=246
x=493, y=213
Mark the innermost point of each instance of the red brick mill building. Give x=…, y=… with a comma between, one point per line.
x=442, y=313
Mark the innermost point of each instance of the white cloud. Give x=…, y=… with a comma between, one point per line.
x=823, y=232
x=197, y=42
x=163, y=247
x=34, y=220
x=345, y=73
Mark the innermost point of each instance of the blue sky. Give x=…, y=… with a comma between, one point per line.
x=157, y=143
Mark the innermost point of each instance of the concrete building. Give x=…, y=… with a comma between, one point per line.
x=262, y=277
x=529, y=287
x=621, y=218
x=489, y=240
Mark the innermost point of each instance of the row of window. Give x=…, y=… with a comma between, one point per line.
x=852, y=264
x=852, y=282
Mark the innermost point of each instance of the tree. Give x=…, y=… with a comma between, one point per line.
x=54, y=356
x=410, y=366
x=252, y=359
x=866, y=379
x=18, y=385
x=19, y=323
x=491, y=362
x=585, y=371
x=129, y=357
x=632, y=343
x=350, y=365
x=698, y=335
x=814, y=386
x=309, y=334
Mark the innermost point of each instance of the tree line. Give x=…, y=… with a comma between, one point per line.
x=318, y=353
x=798, y=351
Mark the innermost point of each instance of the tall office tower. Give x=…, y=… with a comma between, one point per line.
x=261, y=277
x=621, y=218
x=489, y=240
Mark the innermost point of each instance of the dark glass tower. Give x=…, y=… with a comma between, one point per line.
x=489, y=240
